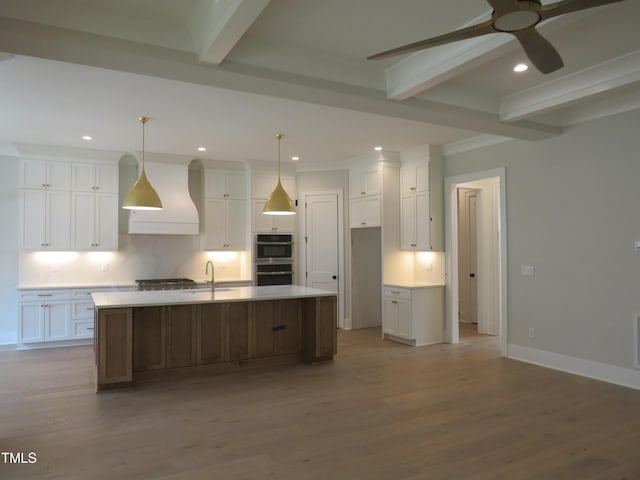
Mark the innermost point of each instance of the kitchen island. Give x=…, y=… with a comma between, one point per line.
x=169, y=333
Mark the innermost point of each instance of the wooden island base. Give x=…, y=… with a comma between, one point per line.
x=145, y=342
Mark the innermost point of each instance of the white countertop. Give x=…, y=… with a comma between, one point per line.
x=48, y=286
x=178, y=297
x=409, y=284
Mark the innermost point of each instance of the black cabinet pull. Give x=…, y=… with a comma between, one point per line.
x=277, y=328
x=472, y=275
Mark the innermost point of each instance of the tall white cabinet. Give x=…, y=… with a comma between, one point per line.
x=225, y=210
x=68, y=204
x=415, y=214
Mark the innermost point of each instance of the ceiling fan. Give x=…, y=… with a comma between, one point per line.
x=517, y=17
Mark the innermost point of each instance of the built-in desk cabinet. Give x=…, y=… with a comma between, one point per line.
x=414, y=316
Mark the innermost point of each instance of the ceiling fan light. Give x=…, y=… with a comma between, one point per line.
x=521, y=67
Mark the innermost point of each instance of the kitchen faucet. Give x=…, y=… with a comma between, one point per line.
x=206, y=271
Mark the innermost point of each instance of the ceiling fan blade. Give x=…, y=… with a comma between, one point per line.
x=542, y=54
x=462, y=34
x=568, y=6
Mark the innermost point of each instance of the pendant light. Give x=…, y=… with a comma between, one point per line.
x=142, y=195
x=279, y=202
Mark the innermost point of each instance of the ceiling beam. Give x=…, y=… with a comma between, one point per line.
x=217, y=25
x=572, y=89
x=37, y=40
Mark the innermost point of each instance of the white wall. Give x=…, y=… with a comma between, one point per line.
x=572, y=213
x=9, y=214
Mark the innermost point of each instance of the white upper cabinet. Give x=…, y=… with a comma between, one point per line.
x=45, y=219
x=414, y=178
x=94, y=221
x=365, y=181
x=92, y=177
x=225, y=184
x=37, y=173
x=271, y=223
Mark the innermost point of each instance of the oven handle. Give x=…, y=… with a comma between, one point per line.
x=275, y=273
x=274, y=243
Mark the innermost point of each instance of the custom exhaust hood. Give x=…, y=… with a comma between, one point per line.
x=169, y=175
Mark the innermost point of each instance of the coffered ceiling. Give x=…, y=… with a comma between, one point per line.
x=229, y=74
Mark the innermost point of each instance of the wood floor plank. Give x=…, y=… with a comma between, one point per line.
x=380, y=410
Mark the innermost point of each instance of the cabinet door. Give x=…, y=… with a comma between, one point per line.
x=390, y=315
x=149, y=338
x=58, y=220
x=180, y=336
x=371, y=207
x=236, y=186
x=214, y=224
x=405, y=324
x=264, y=314
x=422, y=178
x=288, y=328
x=57, y=321
x=106, y=221
x=408, y=222
x=83, y=177
x=32, y=219
x=236, y=329
x=422, y=221
x=407, y=180
x=210, y=333
x=33, y=173
x=215, y=185
x=58, y=175
x=263, y=184
x=30, y=323
x=82, y=220
x=236, y=224
x=106, y=178
x=284, y=223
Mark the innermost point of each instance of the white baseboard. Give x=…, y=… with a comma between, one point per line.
x=600, y=371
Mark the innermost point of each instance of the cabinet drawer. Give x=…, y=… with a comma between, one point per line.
x=82, y=329
x=396, y=292
x=41, y=295
x=82, y=309
x=85, y=293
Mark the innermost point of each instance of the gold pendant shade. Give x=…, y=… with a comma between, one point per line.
x=279, y=202
x=142, y=195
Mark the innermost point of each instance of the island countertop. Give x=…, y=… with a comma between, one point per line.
x=195, y=296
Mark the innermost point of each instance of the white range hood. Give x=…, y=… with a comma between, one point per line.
x=169, y=175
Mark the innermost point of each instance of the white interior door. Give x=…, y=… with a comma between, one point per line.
x=321, y=233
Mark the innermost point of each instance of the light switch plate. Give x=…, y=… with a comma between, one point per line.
x=637, y=245
x=527, y=270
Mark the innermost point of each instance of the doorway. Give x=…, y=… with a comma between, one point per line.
x=321, y=254
x=481, y=297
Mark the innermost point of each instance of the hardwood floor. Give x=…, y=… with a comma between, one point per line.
x=381, y=410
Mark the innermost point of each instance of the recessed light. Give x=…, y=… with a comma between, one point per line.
x=87, y=137
x=377, y=149
x=294, y=158
x=202, y=149
x=521, y=67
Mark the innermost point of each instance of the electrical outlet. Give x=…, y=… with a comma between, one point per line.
x=527, y=270
x=428, y=267
x=105, y=267
x=532, y=332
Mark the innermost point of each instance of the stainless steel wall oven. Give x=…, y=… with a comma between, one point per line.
x=274, y=259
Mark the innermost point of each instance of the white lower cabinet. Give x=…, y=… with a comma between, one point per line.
x=57, y=315
x=413, y=315
x=44, y=316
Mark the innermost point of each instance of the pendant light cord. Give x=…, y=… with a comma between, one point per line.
x=143, y=120
x=279, y=137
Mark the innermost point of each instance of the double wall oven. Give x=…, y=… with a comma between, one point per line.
x=274, y=259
